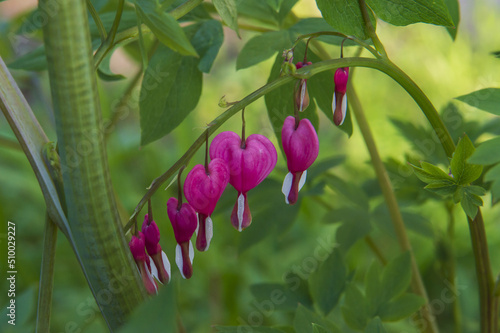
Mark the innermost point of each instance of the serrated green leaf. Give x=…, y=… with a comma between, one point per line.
x=375, y=326
x=401, y=307
x=328, y=282
x=170, y=90
x=344, y=16
x=468, y=205
x=207, y=41
x=486, y=153
x=355, y=309
x=487, y=99
x=262, y=47
x=164, y=27
x=426, y=177
x=463, y=172
x=454, y=10
x=228, y=12
x=404, y=12
x=396, y=277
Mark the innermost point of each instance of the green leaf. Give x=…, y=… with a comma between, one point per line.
x=158, y=314
x=240, y=329
x=104, y=71
x=442, y=188
x=328, y=282
x=228, y=13
x=463, y=172
x=487, y=153
x=170, y=90
x=344, y=16
x=355, y=309
x=268, y=206
x=275, y=296
x=305, y=318
x=454, y=10
x=487, y=99
x=492, y=174
x=262, y=47
x=396, y=277
x=402, y=307
x=404, y=12
x=477, y=190
x=315, y=24
x=164, y=27
x=207, y=41
x=375, y=326
x=31, y=61
x=470, y=203
x=373, y=290
x=431, y=174
x=353, y=193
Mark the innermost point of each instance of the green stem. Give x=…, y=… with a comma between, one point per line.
x=46, y=277
x=392, y=205
x=97, y=20
x=488, y=303
x=337, y=34
x=185, y=8
x=375, y=249
x=370, y=30
x=451, y=267
x=108, y=44
x=97, y=236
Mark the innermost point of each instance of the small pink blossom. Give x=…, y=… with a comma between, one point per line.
x=339, y=104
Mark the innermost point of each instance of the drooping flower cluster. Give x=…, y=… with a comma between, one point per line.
x=242, y=162
x=153, y=266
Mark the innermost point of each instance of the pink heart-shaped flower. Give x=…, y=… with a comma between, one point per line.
x=202, y=190
x=301, y=148
x=249, y=162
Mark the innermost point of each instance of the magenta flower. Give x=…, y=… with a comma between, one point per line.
x=301, y=94
x=184, y=223
x=203, y=188
x=301, y=148
x=249, y=161
x=158, y=257
x=339, y=104
x=137, y=247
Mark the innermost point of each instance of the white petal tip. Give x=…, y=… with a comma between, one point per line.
x=302, y=180
x=209, y=231
x=178, y=260
x=241, y=209
x=287, y=186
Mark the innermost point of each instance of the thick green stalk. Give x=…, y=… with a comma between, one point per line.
x=46, y=277
x=392, y=206
x=98, y=238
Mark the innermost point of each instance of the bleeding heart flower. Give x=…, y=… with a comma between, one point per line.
x=249, y=164
x=301, y=94
x=203, y=188
x=301, y=148
x=137, y=247
x=152, y=241
x=339, y=104
x=184, y=223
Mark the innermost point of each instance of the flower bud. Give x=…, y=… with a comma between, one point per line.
x=152, y=241
x=138, y=250
x=339, y=104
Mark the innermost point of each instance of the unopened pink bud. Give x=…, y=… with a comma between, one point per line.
x=339, y=103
